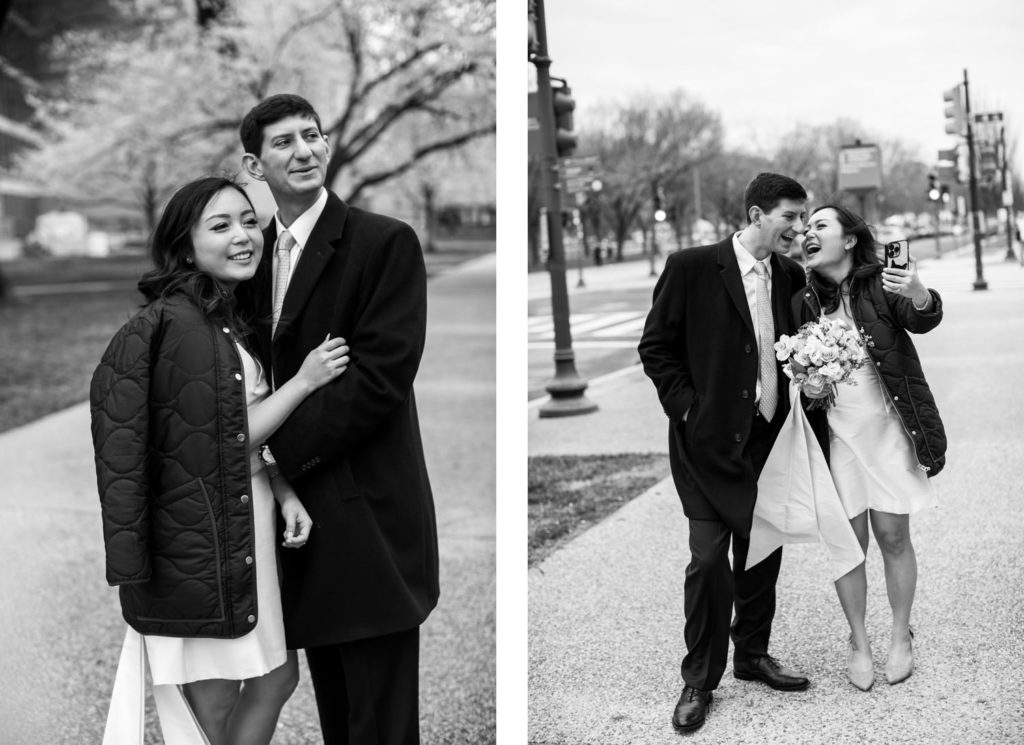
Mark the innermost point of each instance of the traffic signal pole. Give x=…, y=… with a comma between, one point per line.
x=566, y=387
x=979, y=281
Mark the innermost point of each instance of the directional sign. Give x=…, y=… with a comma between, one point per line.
x=579, y=172
x=860, y=168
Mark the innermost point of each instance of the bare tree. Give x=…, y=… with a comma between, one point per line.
x=144, y=111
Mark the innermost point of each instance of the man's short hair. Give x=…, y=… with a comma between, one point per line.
x=767, y=189
x=270, y=110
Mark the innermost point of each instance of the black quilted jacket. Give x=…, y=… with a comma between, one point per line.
x=887, y=318
x=172, y=464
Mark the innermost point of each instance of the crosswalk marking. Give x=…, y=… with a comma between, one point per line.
x=602, y=328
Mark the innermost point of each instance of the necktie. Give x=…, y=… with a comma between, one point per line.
x=282, y=252
x=767, y=372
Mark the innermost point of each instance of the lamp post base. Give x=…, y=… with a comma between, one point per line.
x=567, y=397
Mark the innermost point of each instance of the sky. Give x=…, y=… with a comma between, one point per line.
x=766, y=67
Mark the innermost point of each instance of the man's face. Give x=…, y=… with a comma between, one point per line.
x=293, y=157
x=781, y=226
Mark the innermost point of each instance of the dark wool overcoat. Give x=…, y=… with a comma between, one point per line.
x=352, y=449
x=700, y=350
x=885, y=318
x=170, y=435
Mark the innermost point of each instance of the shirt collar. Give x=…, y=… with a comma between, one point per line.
x=303, y=225
x=745, y=259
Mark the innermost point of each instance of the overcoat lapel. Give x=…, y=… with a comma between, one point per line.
x=730, y=271
x=321, y=246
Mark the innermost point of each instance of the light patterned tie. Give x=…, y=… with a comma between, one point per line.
x=282, y=253
x=768, y=372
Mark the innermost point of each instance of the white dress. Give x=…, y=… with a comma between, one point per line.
x=872, y=459
x=173, y=661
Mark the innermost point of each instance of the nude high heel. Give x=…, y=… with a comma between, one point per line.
x=860, y=668
x=900, y=664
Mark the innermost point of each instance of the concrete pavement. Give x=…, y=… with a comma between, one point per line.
x=61, y=624
x=606, y=611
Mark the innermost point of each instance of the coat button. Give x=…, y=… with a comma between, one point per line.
x=248, y=560
x=745, y=394
x=895, y=398
x=245, y=499
x=738, y=437
x=913, y=431
x=240, y=437
x=226, y=330
x=238, y=376
x=747, y=349
x=878, y=364
x=251, y=618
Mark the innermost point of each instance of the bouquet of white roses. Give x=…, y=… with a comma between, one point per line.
x=821, y=354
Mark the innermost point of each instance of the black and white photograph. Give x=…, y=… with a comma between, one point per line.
x=774, y=339
x=247, y=378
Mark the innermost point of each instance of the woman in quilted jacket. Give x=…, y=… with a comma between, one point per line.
x=179, y=410
x=884, y=436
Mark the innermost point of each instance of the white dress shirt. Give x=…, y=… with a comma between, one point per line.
x=746, y=261
x=300, y=230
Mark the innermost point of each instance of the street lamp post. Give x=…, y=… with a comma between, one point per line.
x=566, y=387
x=1007, y=196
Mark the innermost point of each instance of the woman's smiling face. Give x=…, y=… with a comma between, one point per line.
x=826, y=248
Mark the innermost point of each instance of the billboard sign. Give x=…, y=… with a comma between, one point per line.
x=860, y=168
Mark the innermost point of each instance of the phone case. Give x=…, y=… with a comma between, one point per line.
x=897, y=255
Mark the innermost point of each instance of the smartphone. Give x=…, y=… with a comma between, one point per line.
x=897, y=254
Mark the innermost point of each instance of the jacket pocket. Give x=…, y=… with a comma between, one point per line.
x=926, y=430
x=187, y=583
x=345, y=480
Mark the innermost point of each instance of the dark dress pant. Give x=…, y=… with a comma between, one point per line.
x=367, y=691
x=712, y=587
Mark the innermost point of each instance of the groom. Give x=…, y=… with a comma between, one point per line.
x=707, y=346
x=355, y=595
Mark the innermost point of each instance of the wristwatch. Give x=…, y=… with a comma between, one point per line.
x=268, y=460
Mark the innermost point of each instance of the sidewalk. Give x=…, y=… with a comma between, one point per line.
x=606, y=610
x=62, y=626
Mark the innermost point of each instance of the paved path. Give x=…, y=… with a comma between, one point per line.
x=61, y=624
x=606, y=611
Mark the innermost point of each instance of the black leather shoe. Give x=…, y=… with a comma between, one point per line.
x=768, y=670
x=691, y=709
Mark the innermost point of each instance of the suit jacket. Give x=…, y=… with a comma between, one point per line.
x=700, y=349
x=352, y=449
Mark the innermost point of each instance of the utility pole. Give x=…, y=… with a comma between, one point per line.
x=979, y=281
x=566, y=387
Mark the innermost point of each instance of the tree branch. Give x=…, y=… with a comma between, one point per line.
x=446, y=144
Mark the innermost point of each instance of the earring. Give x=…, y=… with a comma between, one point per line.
x=188, y=260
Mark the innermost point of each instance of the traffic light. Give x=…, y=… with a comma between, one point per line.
x=933, y=188
x=955, y=118
x=565, y=137
x=945, y=194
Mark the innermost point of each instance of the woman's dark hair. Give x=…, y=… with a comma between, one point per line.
x=866, y=261
x=172, y=252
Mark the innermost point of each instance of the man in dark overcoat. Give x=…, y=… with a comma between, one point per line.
x=355, y=595
x=707, y=346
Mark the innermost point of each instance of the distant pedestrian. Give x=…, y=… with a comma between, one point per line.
x=883, y=436
x=355, y=597
x=707, y=346
x=179, y=405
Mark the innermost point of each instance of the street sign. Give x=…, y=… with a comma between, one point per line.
x=579, y=172
x=946, y=174
x=860, y=168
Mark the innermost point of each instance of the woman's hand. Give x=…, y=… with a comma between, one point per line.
x=297, y=521
x=905, y=282
x=324, y=363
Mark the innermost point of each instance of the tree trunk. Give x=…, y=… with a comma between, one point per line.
x=427, y=191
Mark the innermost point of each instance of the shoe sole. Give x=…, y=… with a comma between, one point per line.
x=797, y=687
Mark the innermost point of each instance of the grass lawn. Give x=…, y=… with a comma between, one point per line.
x=568, y=494
x=51, y=345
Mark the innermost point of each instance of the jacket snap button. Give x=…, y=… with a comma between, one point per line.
x=240, y=437
x=745, y=394
x=251, y=618
x=738, y=437
x=226, y=330
x=895, y=398
x=248, y=560
x=238, y=376
x=913, y=431
x=747, y=349
x=245, y=499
